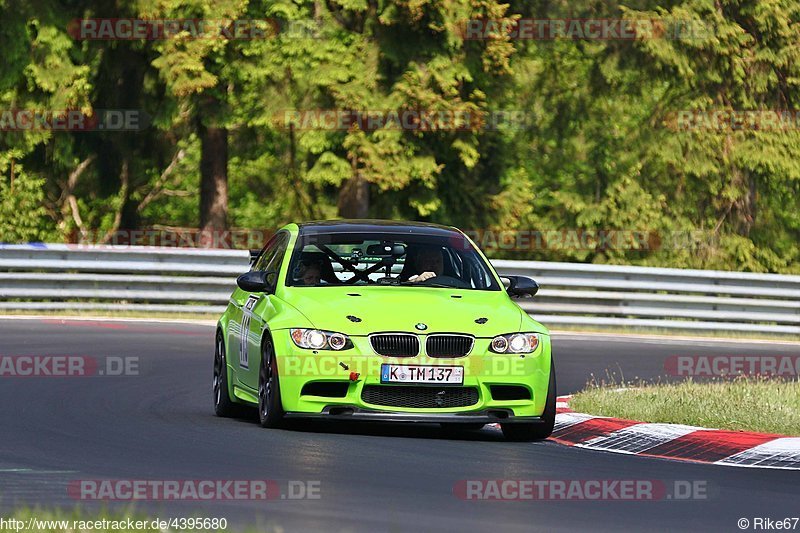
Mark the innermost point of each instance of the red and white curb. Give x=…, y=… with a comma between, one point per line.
x=673, y=441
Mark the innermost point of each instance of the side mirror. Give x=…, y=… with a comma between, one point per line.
x=521, y=286
x=255, y=281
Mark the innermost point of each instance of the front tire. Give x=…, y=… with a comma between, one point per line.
x=223, y=406
x=270, y=408
x=541, y=430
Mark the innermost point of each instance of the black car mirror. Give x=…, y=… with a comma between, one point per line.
x=521, y=286
x=257, y=281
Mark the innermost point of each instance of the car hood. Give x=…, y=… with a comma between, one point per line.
x=402, y=308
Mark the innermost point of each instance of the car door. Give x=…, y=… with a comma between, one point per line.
x=238, y=354
x=257, y=310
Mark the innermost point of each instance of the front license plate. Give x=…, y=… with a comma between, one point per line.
x=453, y=375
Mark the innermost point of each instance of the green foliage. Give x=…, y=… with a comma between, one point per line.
x=600, y=149
x=22, y=216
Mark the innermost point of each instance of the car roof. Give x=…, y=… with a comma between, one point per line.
x=376, y=226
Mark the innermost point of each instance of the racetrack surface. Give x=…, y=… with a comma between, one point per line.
x=160, y=425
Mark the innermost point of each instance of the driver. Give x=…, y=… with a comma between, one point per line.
x=310, y=273
x=429, y=263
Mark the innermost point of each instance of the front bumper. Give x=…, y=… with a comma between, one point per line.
x=483, y=371
x=488, y=416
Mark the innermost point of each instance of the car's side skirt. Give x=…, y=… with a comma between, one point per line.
x=244, y=395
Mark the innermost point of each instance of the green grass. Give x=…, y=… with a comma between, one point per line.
x=748, y=404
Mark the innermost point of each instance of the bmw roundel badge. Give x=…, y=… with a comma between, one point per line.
x=420, y=326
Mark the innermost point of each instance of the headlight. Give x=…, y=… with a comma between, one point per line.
x=315, y=339
x=515, y=343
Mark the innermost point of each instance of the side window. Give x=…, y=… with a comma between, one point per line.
x=273, y=254
x=457, y=262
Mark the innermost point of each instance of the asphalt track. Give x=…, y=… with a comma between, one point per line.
x=159, y=425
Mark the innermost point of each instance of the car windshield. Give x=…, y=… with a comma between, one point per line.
x=450, y=261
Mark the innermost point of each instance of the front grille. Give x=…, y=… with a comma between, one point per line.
x=419, y=397
x=448, y=345
x=395, y=344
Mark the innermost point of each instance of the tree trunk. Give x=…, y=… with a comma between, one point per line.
x=354, y=196
x=752, y=204
x=213, y=178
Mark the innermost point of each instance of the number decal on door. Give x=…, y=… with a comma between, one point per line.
x=247, y=314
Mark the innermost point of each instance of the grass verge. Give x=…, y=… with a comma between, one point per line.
x=748, y=404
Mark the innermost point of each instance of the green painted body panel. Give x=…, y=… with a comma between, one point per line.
x=386, y=308
x=381, y=309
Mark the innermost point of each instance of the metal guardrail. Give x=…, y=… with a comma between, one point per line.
x=75, y=277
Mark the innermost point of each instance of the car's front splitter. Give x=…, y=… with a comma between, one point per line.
x=346, y=412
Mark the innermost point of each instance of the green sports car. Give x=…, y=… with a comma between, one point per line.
x=385, y=321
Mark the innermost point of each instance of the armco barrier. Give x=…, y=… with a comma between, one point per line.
x=67, y=277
